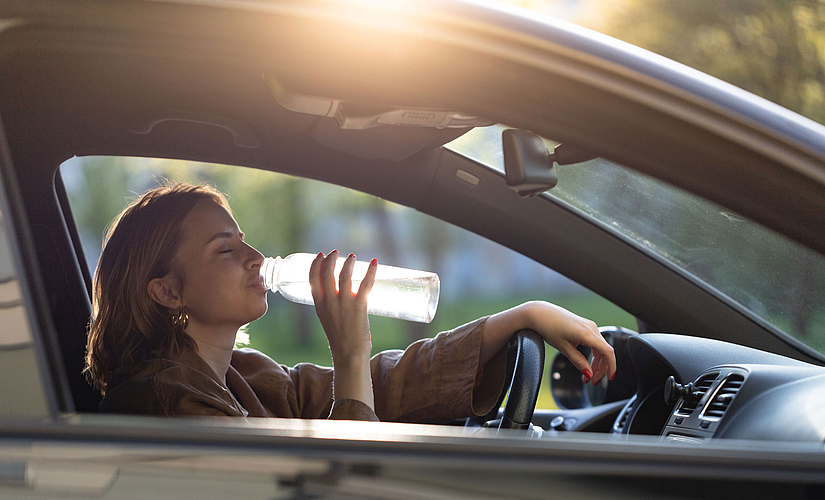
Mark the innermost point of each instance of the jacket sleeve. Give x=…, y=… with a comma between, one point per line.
x=439, y=379
x=433, y=380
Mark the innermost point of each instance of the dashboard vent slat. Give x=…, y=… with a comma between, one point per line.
x=622, y=419
x=700, y=388
x=724, y=396
x=619, y=424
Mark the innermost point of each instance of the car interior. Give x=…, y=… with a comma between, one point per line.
x=263, y=99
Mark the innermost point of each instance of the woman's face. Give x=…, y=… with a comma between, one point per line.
x=221, y=286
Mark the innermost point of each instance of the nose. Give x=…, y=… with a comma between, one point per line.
x=255, y=258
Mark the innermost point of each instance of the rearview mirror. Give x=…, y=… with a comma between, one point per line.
x=528, y=165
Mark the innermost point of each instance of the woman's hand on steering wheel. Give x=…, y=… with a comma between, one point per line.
x=558, y=327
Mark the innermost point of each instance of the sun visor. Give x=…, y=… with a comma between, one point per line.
x=372, y=131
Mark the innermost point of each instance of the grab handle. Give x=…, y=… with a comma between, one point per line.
x=243, y=135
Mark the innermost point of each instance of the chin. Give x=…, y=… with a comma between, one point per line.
x=262, y=311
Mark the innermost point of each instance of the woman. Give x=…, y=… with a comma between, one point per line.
x=176, y=282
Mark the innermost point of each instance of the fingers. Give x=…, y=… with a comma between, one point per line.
x=604, y=359
x=322, y=279
x=315, y=278
x=579, y=361
x=342, y=313
x=345, y=278
x=369, y=279
x=599, y=369
x=328, y=273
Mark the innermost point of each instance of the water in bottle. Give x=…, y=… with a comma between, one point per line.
x=397, y=292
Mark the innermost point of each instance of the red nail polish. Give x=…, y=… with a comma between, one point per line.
x=350, y=255
x=320, y=254
x=588, y=374
x=374, y=262
x=334, y=251
x=612, y=376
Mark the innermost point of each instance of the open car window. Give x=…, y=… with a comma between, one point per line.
x=281, y=214
x=775, y=278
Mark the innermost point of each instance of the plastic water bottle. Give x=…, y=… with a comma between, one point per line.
x=397, y=292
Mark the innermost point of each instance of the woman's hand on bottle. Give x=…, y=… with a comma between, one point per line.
x=343, y=315
x=561, y=329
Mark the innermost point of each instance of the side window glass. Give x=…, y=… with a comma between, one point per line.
x=281, y=215
x=21, y=385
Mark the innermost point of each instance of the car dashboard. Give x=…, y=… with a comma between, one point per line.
x=690, y=390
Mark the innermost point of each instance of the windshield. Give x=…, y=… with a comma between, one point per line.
x=777, y=279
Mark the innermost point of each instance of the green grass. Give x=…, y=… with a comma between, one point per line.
x=280, y=335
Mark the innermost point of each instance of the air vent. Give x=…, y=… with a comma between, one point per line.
x=724, y=395
x=618, y=426
x=623, y=419
x=700, y=388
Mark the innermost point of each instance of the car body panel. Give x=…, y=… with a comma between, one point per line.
x=291, y=454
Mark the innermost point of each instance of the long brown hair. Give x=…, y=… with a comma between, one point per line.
x=127, y=326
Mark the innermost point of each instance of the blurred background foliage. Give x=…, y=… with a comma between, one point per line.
x=773, y=48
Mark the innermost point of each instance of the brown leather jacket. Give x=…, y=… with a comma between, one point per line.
x=433, y=380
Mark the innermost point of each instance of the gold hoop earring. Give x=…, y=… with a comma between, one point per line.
x=180, y=320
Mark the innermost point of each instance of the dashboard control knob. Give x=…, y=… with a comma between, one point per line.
x=558, y=423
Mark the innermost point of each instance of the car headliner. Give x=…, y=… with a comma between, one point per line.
x=74, y=78
x=412, y=55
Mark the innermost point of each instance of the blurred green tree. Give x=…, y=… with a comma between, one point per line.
x=773, y=48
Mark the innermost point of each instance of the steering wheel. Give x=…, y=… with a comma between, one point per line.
x=525, y=365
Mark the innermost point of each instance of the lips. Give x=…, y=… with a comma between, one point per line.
x=258, y=284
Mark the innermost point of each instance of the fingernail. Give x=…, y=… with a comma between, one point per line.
x=350, y=255
x=320, y=254
x=588, y=374
x=374, y=262
x=334, y=251
x=612, y=377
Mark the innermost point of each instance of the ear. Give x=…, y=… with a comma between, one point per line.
x=166, y=291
